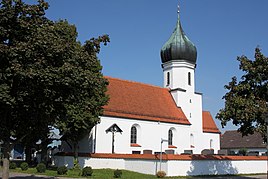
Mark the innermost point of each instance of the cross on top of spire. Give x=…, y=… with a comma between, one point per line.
x=178, y=7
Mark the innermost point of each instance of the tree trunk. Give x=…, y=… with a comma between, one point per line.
x=6, y=152
x=76, y=163
x=28, y=153
x=5, y=174
x=44, y=153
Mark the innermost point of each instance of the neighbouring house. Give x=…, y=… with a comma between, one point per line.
x=233, y=142
x=140, y=118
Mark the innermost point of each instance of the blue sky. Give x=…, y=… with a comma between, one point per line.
x=221, y=31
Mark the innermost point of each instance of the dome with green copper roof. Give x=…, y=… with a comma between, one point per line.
x=179, y=47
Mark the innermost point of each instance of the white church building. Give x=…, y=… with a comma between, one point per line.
x=142, y=118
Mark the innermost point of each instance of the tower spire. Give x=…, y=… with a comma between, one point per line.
x=178, y=7
x=178, y=47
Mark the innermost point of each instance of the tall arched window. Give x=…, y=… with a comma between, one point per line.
x=189, y=78
x=211, y=144
x=170, y=137
x=191, y=140
x=168, y=78
x=133, y=135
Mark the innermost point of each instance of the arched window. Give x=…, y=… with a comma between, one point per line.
x=170, y=137
x=189, y=78
x=211, y=144
x=192, y=141
x=168, y=78
x=133, y=135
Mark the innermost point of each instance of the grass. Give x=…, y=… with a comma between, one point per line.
x=106, y=174
x=97, y=173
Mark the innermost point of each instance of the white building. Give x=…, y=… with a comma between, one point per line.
x=141, y=115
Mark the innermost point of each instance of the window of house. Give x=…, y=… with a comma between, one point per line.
x=170, y=137
x=133, y=135
x=168, y=78
x=189, y=78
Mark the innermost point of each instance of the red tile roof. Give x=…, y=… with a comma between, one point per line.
x=141, y=101
x=208, y=123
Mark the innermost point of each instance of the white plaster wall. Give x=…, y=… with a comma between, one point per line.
x=149, y=136
x=98, y=163
x=179, y=75
x=206, y=137
x=250, y=166
x=146, y=166
x=178, y=167
x=171, y=167
x=215, y=167
x=191, y=104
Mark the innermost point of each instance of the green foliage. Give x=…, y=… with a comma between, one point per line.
x=12, y=165
x=24, y=166
x=47, y=77
x=246, y=100
x=161, y=174
x=87, y=171
x=117, y=173
x=62, y=170
x=243, y=151
x=41, y=168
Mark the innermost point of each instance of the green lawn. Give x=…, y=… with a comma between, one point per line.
x=97, y=173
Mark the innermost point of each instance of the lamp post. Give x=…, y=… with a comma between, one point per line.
x=162, y=140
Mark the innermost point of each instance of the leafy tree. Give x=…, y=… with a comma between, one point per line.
x=47, y=78
x=246, y=100
x=88, y=88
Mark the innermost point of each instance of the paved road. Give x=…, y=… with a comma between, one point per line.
x=28, y=176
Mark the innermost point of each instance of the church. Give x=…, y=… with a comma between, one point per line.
x=142, y=118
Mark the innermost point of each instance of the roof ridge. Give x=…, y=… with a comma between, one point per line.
x=166, y=117
x=135, y=82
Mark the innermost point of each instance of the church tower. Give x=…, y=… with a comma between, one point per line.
x=178, y=57
x=179, y=60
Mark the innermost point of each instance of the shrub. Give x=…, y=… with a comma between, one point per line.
x=87, y=171
x=41, y=168
x=161, y=174
x=243, y=151
x=117, y=173
x=12, y=165
x=24, y=166
x=62, y=170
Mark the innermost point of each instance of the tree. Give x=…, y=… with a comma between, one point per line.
x=88, y=88
x=246, y=100
x=46, y=76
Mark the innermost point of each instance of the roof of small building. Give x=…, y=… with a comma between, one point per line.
x=140, y=101
x=234, y=140
x=208, y=123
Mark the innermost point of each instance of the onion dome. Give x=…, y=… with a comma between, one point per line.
x=179, y=47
